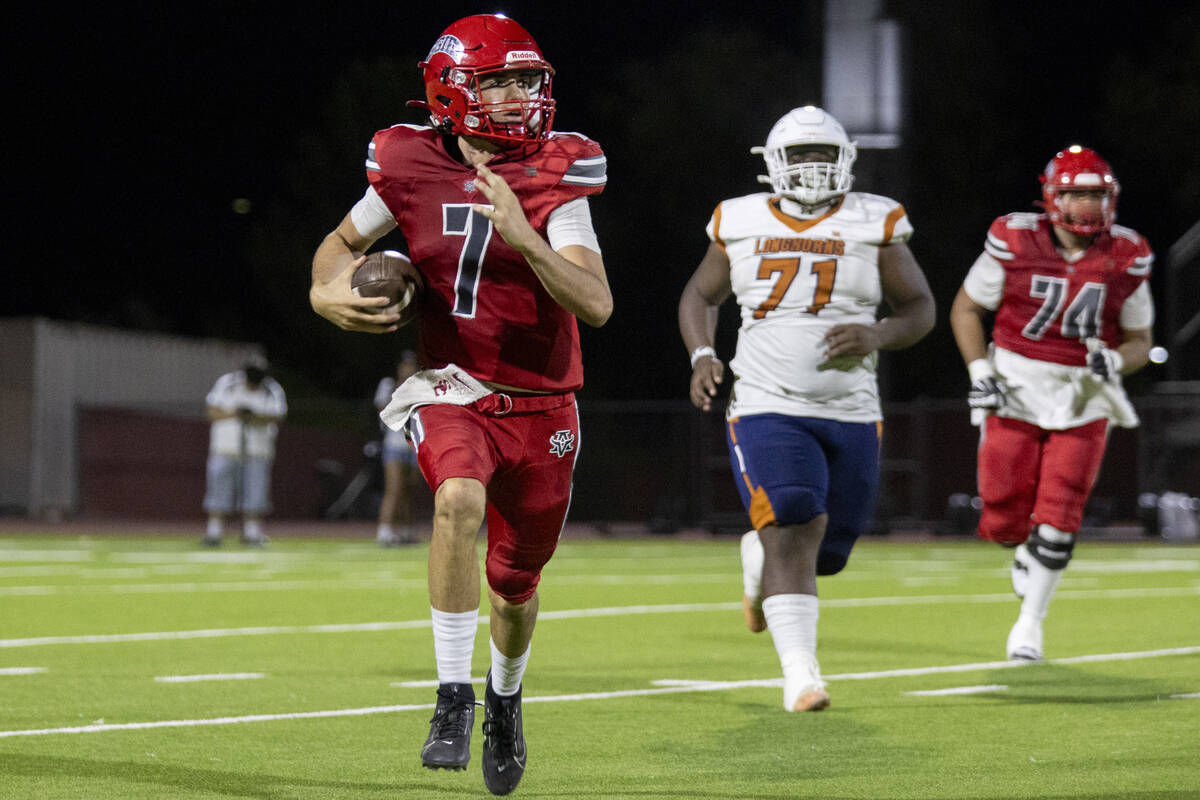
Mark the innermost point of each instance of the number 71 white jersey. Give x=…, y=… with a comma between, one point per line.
x=794, y=279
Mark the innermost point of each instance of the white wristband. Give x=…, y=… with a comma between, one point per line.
x=702, y=351
x=979, y=369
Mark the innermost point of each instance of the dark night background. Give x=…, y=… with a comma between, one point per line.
x=142, y=125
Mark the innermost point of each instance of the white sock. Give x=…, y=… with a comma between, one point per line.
x=1042, y=581
x=454, y=643
x=253, y=529
x=507, y=672
x=384, y=531
x=792, y=621
x=752, y=565
x=214, y=528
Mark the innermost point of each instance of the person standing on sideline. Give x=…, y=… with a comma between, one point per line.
x=245, y=408
x=1073, y=313
x=493, y=205
x=399, y=465
x=809, y=266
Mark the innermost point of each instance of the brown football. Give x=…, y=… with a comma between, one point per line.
x=389, y=273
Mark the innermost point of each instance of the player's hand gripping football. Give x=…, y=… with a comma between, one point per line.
x=707, y=375
x=505, y=211
x=337, y=302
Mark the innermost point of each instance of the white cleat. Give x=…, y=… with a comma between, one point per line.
x=1025, y=640
x=752, y=567
x=1020, y=570
x=803, y=689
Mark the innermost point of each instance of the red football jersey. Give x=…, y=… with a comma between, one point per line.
x=484, y=309
x=1051, y=306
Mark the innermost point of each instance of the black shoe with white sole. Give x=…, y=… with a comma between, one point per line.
x=503, y=741
x=449, y=742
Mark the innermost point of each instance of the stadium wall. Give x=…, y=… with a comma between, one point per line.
x=49, y=369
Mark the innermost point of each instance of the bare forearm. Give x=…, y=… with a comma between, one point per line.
x=1135, y=350
x=333, y=255
x=966, y=323
x=583, y=292
x=907, y=324
x=697, y=319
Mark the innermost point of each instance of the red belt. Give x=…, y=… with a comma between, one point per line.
x=499, y=404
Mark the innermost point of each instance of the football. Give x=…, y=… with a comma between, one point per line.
x=390, y=274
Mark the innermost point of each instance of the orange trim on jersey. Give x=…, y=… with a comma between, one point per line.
x=717, y=227
x=889, y=224
x=799, y=225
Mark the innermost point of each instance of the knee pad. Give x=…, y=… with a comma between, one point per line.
x=794, y=505
x=1052, y=553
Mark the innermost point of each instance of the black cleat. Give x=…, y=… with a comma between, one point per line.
x=503, y=741
x=449, y=742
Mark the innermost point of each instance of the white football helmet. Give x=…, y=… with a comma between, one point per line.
x=811, y=183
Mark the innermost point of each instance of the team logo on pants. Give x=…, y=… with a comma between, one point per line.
x=562, y=442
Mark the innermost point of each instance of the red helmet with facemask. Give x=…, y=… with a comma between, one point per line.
x=1080, y=169
x=475, y=48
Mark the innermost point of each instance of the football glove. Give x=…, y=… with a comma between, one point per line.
x=986, y=394
x=1105, y=363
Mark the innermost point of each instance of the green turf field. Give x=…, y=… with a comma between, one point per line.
x=643, y=682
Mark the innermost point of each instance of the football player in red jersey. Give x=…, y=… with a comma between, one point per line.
x=493, y=205
x=1073, y=313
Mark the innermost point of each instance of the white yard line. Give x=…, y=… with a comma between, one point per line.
x=22, y=670
x=674, y=687
x=215, y=676
x=580, y=613
x=995, y=687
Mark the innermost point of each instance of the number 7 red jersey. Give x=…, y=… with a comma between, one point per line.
x=1050, y=305
x=484, y=309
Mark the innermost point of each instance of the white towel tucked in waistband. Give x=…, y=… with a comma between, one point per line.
x=450, y=384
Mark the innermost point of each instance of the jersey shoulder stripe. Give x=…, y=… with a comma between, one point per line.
x=588, y=171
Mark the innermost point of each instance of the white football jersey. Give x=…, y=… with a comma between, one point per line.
x=794, y=279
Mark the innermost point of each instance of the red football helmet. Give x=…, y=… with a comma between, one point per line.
x=475, y=47
x=1078, y=168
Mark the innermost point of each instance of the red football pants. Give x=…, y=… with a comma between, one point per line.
x=1029, y=475
x=523, y=450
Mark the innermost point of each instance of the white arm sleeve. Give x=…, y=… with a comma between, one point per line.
x=1138, y=310
x=371, y=216
x=571, y=223
x=985, y=282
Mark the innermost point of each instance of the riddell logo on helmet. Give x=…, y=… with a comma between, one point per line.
x=521, y=55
